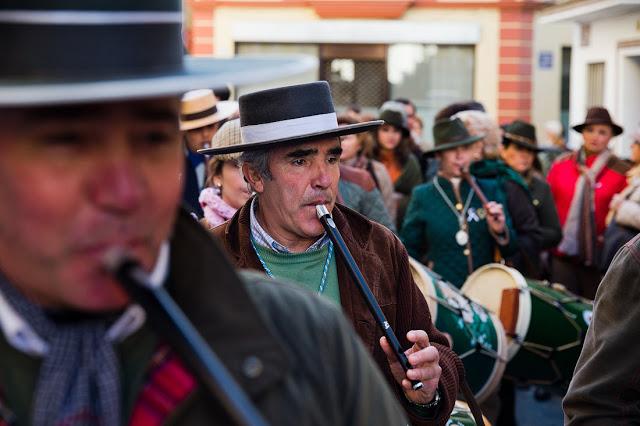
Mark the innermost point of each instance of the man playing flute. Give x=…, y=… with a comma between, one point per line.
x=290, y=158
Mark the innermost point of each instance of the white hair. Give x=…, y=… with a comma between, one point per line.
x=553, y=127
x=479, y=123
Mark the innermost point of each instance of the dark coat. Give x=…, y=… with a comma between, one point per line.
x=542, y=199
x=384, y=263
x=605, y=387
x=191, y=190
x=314, y=371
x=521, y=210
x=411, y=177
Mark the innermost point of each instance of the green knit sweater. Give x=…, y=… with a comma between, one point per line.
x=304, y=269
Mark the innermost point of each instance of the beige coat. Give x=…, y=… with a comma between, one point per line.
x=628, y=213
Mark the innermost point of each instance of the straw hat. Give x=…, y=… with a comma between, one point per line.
x=201, y=108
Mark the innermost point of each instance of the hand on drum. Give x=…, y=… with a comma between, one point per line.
x=495, y=217
x=426, y=368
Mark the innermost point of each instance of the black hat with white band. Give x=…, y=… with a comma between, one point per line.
x=77, y=51
x=288, y=115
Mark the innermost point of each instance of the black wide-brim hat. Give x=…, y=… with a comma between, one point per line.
x=110, y=50
x=522, y=134
x=450, y=133
x=599, y=115
x=289, y=115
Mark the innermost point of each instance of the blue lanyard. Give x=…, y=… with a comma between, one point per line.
x=323, y=282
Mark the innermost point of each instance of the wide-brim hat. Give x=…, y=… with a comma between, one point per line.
x=201, y=108
x=522, y=134
x=289, y=115
x=599, y=115
x=451, y=133
x=80, y=52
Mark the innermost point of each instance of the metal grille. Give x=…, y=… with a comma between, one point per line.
x=356, y=81
x=595, y=84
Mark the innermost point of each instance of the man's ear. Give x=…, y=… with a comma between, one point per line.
x=253, y=178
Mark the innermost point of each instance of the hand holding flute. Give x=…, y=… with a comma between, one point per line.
x=495, y=212
x=417, y=369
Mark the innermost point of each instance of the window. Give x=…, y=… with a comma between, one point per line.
x=432, y=76
x=595, y=84
x=565, y=86
x=357, y=74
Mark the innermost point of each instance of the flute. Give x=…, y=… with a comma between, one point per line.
x=476, y=188
x=474, y=185
x=170, y=321
x=483, y=199
x=329, y=225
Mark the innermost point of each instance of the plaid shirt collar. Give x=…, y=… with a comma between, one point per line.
x=260, y=236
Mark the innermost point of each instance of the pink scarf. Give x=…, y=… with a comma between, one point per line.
x=216, y=211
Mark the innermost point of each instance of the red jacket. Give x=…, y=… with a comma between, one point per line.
x=564, y=174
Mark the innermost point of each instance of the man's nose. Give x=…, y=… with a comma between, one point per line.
x=322, y=175
x=118, y=185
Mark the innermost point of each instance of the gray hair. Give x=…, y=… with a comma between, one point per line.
x=480, y=123
x=257, y=160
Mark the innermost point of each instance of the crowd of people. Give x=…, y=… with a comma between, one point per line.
x=552, y=213
x=550, y=207
x=115, y=170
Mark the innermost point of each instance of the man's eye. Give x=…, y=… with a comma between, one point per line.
x=65, y=139
x=157, y=137
x=334, y=160
x=299, y=162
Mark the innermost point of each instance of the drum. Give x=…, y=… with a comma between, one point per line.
x=545, y=323
x=477, y=335
x=461, y=416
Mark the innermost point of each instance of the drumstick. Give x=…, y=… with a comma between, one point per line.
x=329, y=225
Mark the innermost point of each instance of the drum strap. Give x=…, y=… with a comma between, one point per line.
x=473, y=404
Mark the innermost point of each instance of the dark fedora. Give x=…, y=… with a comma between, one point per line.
x=79, y=51
x=287, y=115
x=599, y=115
x=448, y=134
x=522, y=134
x=394, y=113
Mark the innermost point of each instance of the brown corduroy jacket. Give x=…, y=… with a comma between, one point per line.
x=383, y=261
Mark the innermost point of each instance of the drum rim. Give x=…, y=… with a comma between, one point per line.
x=501, y=364
x=492, y=380
x=461, y=405
x=524, y=304
x=418, y=266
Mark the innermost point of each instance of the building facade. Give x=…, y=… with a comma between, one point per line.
x=432, y=51
x=605, y=67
